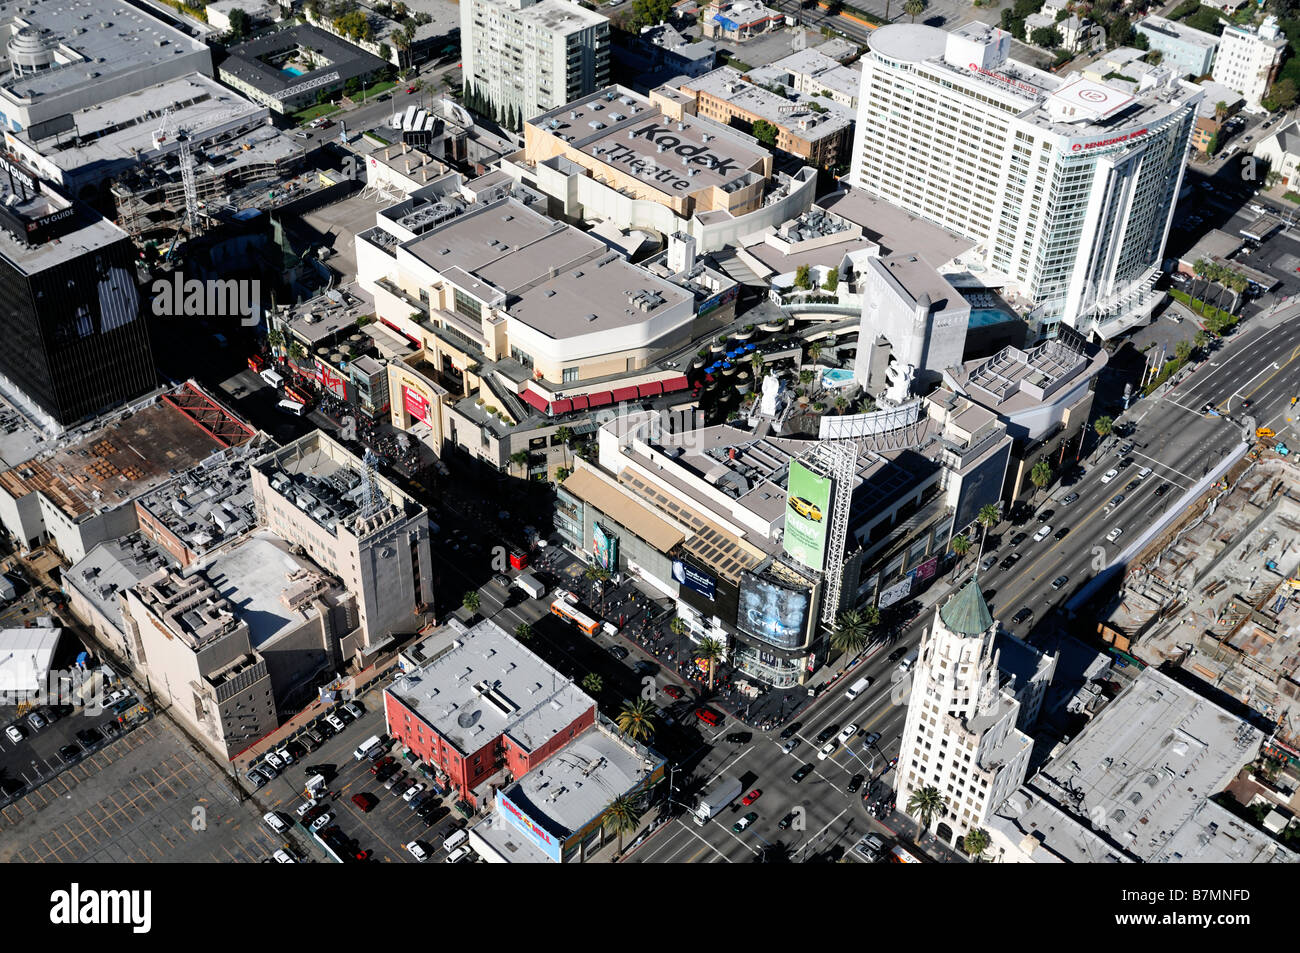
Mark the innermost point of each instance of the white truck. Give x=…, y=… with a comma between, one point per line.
x=909, y=660
x=711, y=804
x=531, y=585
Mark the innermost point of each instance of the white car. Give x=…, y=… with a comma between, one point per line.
x=274, y=761
x=335, y=722
x=1114, y=534
x=417, y=851
x=827, y=750
x=274, y=821
x=302, y=809
x=1042, y=534
x=118, y=695
x=322, y=822
x=413, y=793
x=14, y=734
x=283, y=755
x=282, y=857
x=457, y=855
x=1109, y=475
x=848, y=733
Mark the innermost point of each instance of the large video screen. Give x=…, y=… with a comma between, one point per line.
x=772, y=612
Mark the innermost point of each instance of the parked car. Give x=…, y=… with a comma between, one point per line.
x=745, y=821
x=855, y=782
x=618, y=652
x=673, y=692
x=1116, y=500
x=282, y=857
x=1046, y=515
x=322, y=822
x=1019, y=538
x=35, y=721
x=413, y=792
x=803, y=772
x=1024, y=615
x=69, y=754
x=273, y=820
x=708, y=716
x=14, y=734
x=335, y=722
x=418, y=851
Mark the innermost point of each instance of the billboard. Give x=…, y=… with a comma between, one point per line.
x=604, y=545
x=542, y=839
x=415, y=404
x=926, y=570
x=692, y=578
x=773, y=612
x=981, y=485
x=807, y=513
x=899, y=590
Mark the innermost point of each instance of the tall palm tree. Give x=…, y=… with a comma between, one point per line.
x=841, y=404
x=678, y=626
x=519, y=458
x=1104, y=426
x=927, y=804
x=523, y=632
x=814, y=352
x=960, y=546
x=976, y=842
x=637, y=719
x=622, y=817
x=711, y=651
x=564, y=435
x=1220, y=110
x=913, y=7
x=471, y=600
x=987, y=517
x=851, y=632
x=1040, y=474
x=756, y=361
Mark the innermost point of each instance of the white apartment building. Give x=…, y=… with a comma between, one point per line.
x=530, y=56
x=972, y=693
x=1066, y=184
x=1248, y=59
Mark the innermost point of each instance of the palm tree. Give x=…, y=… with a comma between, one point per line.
x=622, y=817
x=851, y=632
x=960, y=546
x=814, y=352
x=866, y=405
x=637, y=719
x=927, y=804
x=274, y=339
x=1220, y=110
x=523, y=632
x=756, y=361
x=596, y=574
x=1040, y=474
x=471, y=600
x=592, y=683
x=913, y=7
x=564, y=435
x=987, y=517
x=977, y=842
x=1200, y=340
x=1103, y=426
x=841, y=404
x=519, y=458
x=678, y=626
x=711, y=651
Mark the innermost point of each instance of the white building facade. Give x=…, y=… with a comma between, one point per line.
x=528, y=56
x=1066, y=184
x=1248, y=59
x=961, y=736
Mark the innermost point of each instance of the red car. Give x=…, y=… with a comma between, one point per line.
x=672, y=691
x=364, y=801
x=751, y=797
x=708, y=716
x=381, y=764
x=410, y=89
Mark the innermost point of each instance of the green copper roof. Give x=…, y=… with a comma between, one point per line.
x=967, y=613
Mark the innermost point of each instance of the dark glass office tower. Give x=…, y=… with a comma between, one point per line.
x=72, y=333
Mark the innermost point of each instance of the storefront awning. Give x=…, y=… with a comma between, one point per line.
x=533, y=398
x=624, y=393
x=652, y=389
x=600, y=399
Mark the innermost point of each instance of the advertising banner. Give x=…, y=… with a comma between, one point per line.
x=926, y=570
x=605, y=547
x=541, y=838
x=899, y=590
x=807, y=512
x=693, y=578
x=773, y=612
x=331, y=381
x=415, y=404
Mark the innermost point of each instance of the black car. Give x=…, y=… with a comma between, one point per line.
x=1131, y=485
x=1070, y=498
x=618, y=652
x=110, y=728
x=1117, y=499
x=827, y=733
x=786, y=821
x=1061, y=533
x=1060, y=581
x=70, y=754
x=855, y=782
x=1009, y=562
x=803, y=772
x=1162, y=489
x=789, y=730
x=739, y=737
x=1019, y=538
x=1024, y=615
x=1046, y=516
x=89, y=736
x=1126, y=462
x=898, y=653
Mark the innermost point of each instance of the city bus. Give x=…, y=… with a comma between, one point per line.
x=294, y=393
x=900, y=856
x=256, y=363
x=566, y=610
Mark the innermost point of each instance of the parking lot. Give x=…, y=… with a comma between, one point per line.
x=147, y=797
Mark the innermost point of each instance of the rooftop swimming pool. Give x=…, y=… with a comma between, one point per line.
x=836, y=377
x=983, y=317
x=292, y=71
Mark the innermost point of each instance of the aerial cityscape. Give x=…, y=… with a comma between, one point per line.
x=626, y=431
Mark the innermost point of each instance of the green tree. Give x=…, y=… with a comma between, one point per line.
x=678, y=626
x=564, y=435
x=756, y=362
x=1120, y=31
x=274, y=339
x=711, y=651
x=637, y=719
x=866, y=405
x=802, y=277
x=1281, y=96
x=471, y=600
x=592, y=683
x=523, y=632
x=240, y=23
x=987, y=517
x=976, y=842
x=1182, y=351
x=1103, y=426
x=1201, y=339
x=814, y=352
x=1048, y=37
x=519, y=458
x=960, y=546
x=623, y=814
x=765, y=133
x=562, y=474
x=832, y=277
x=853, y=629
x=596, y=573
x=914, y=8
x=296, y=351
x=1040, y=474
x=926, y=804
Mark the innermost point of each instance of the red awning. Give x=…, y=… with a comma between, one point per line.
x=600, y=399
x=534, y=398
x=561, y=406
x=675, y=383
x=652, y=389
x=580, y=402
x=624, y=393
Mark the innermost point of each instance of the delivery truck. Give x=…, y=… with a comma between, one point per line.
x=711, y=804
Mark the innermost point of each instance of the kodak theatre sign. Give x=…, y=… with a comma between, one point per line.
x=646, y=167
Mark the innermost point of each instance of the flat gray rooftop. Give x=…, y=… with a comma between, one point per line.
x=798, y=118
x=896, y=231
x=253, y=575
x=490, y=685
x=113, y=567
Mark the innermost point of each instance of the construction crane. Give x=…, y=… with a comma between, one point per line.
x=163, y=134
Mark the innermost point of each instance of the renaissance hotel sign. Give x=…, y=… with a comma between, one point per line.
x=1109, y=141
x=644, y=164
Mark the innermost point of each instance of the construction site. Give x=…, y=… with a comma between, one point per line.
x=1218, y=594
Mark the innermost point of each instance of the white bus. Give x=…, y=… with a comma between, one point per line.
x=291, y=407
x=272, y=378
